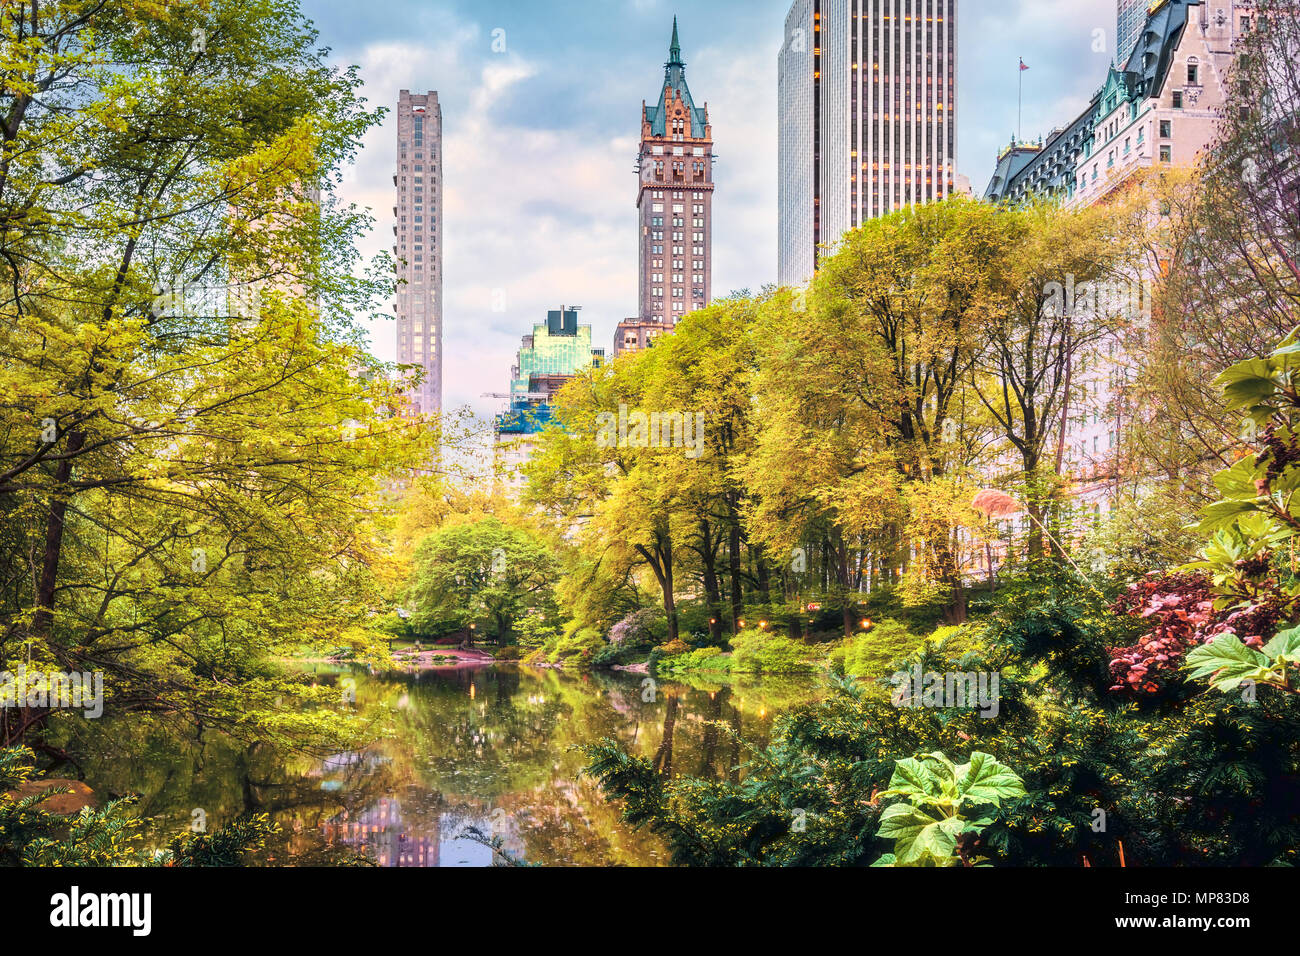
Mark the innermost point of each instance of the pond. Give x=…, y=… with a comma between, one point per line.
x=489, y=748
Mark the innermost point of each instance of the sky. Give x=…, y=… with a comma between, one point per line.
x=541, y=104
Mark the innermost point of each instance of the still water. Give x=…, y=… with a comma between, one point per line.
x=486, y=748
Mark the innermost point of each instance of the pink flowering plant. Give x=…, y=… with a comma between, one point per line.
x=1227, y=617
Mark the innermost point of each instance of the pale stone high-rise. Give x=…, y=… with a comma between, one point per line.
x=867, y=118
x=1159, y=107
x=418, y=229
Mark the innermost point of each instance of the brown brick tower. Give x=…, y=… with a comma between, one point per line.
x=674, y=209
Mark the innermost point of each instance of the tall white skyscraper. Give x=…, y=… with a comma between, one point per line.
x=418, y=246
x=867, y=102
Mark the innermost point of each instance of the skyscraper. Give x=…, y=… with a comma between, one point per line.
x=418, y=247
x=867, y=118
x=674, y=209
x=551, y=356
x=1130, y=15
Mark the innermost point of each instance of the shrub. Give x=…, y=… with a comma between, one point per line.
x=576, y=646
x=32, y=835
x=762, y=652
x=635, y=630
x=874, y=653
x=611, y=655
x=693, y=623
x=536, y=630
x=673, y=647
x=708, y=659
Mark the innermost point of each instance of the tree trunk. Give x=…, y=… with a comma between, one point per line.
x=733, y=567
x=43, y=619
x=712, y=593
x=955, y=613
x=764, y=578
x=842, y=576
x=1035, y=544
x=663, y=762
x=661, y=562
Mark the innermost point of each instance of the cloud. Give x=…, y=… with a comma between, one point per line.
x=1057, y=40
x=540, y=140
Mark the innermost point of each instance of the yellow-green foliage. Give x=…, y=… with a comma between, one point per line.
x=870, y=655
x=761, y=652
x=753, y=652
x=700, y=660
x=572, y=648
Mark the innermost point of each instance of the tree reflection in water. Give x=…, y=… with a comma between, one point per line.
x=491, y=748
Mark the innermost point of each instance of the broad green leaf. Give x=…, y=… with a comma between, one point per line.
x=916, y=833
x=985, y=780
x=943, y=771
x=1288, y=351
x=1247, y=383
x=903, y=821
x=1227, y=662
x=1223, y=514
x=910, y=779
x=926, y=829
x=1238, y=481
x=1284, y=645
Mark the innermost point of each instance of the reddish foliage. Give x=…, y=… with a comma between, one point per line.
x=1181, y=610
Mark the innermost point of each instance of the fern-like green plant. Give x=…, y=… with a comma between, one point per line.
x=110, y=835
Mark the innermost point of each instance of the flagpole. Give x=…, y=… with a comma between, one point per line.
x=1020, y=99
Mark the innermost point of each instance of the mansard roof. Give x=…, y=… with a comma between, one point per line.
x=1025, y=168
x=1151, y=58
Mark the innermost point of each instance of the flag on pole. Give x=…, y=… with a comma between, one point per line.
x=1022, y=64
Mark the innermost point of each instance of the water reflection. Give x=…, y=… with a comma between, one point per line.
x=393, y=836
x=491, y=749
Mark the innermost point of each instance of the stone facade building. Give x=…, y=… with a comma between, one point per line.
x=674, y=210
x=1159, y=107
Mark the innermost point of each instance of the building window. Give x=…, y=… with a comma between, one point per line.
x=1166, y=128
x=1166, y=154
x=1178, y=99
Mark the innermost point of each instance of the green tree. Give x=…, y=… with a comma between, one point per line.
x=482, y=569
x=193, y=444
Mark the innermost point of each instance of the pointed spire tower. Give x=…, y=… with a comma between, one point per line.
x=674, y=208
x=675, y=59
